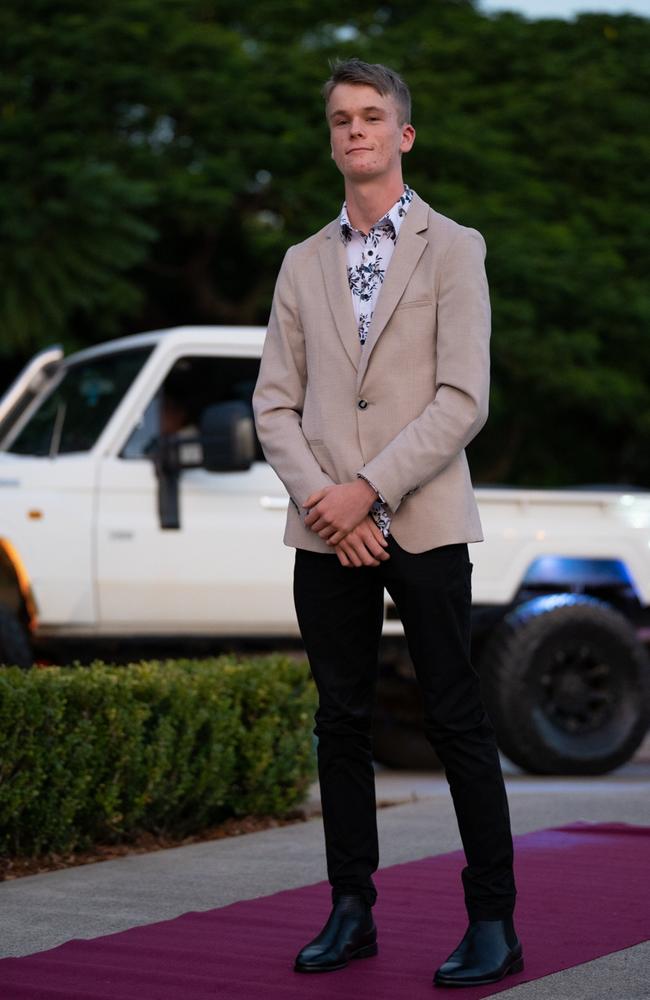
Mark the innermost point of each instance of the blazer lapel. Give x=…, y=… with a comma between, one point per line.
x=408, y=250
x=334, y=266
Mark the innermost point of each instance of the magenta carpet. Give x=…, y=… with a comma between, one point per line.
x=582, y=894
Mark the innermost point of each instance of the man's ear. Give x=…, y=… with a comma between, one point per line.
x=408, y=138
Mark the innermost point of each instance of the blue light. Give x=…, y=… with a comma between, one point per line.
x=566, y=571
x=549, y=602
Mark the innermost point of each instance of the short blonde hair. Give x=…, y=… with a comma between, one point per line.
x=380, y=78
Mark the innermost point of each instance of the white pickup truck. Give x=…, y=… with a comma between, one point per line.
x=135, y=502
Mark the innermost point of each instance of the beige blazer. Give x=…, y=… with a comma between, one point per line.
x=400, y=409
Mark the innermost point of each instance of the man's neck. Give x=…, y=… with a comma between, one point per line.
x=368, y=203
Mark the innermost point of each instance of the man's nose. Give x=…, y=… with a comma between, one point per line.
x=357, y=127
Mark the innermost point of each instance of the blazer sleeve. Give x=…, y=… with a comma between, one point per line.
x=459, y=408
x=279, y=395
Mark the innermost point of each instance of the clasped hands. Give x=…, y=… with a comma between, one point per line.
x=339, y=515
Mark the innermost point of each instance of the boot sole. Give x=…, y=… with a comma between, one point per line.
x=367, y=951
x=517, y=966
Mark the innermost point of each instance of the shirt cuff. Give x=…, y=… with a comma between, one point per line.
x=372, y=486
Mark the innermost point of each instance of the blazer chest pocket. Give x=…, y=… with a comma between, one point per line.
x=415, y=319
x=414, y=304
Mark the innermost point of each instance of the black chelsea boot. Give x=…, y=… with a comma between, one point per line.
x=349, y=933
x=489, y=951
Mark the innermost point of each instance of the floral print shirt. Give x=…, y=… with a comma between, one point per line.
x=368, y=257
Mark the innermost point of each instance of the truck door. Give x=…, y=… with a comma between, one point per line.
x=49, y=462
x=225, y=570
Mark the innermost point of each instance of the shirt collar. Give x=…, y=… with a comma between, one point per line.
x=389, y=223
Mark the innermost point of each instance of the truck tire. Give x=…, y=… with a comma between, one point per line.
x=15, y=649
x=567, y=686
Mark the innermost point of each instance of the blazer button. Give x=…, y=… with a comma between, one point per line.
x=363, y=404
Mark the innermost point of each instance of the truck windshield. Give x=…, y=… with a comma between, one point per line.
x=76, y=408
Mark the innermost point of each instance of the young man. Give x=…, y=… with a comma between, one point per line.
x=374, y=377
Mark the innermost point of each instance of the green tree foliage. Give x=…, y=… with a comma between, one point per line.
x=160, y=155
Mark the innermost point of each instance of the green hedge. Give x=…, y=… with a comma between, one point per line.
x=99, y=754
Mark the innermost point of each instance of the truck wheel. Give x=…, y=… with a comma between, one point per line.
x=567, y=686
x=15, y=649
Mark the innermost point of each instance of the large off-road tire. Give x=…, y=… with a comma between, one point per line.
x=567, y=686
x=15, y=648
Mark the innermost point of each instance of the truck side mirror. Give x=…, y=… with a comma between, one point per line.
x=228, y=437
x=226, y=443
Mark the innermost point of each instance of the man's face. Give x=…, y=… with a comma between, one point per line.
x=367, y=138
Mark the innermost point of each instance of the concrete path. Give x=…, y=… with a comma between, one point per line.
x=41, y=911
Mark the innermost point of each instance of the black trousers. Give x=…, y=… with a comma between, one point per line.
x=340, y=613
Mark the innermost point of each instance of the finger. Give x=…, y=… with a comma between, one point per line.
x=312, y=516
x=314, y=498
x=337, y=537
x=362, y=553
x=343, y=559
x=375, y=549
x=349, y=551
x=379, y=541
x=374, y=544
x=320, y=524
x=323, y=523
x=376, y=531
x=327, y=532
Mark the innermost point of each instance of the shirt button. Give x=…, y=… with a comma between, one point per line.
x=363, y=404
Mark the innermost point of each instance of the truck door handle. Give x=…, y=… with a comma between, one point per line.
x=274, y=503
